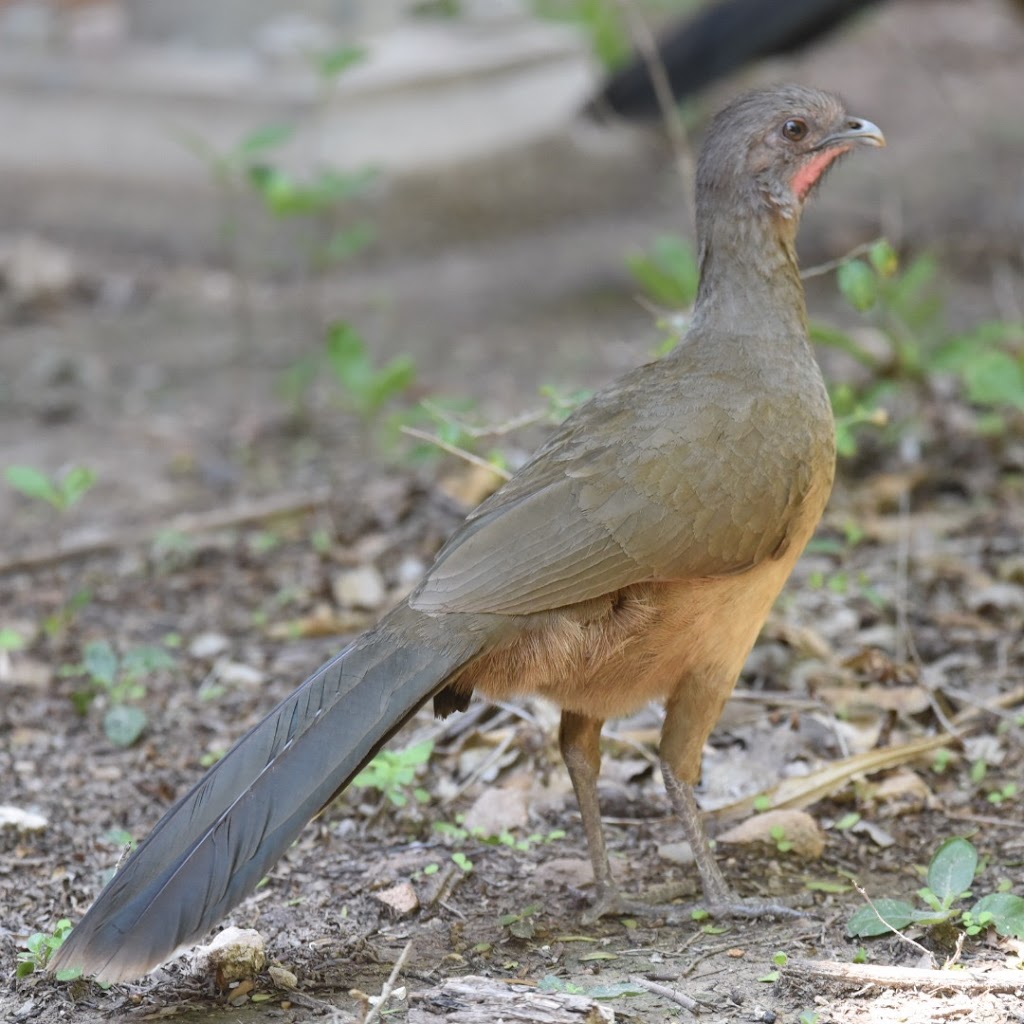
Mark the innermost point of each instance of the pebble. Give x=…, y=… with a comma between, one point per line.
x=208, y=645
x=234, y=673
x=234, y=954
x=21, y=820
x=361, y=588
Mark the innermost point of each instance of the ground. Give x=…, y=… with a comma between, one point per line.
x=247, y=600
x=224, y=531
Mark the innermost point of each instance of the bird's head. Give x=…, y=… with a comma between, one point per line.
x=766, y=151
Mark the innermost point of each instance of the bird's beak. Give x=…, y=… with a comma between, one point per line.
x=857, y=130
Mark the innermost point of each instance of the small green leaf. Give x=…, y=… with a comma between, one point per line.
x=100, y=663
x=76, y=483
x=994, y=378
x=11, y=639
x=668, y=273
x=858, y=284
x=884, y=259
x=952, y=869
x=866, y=923
x=123, y=725
x=389, y=382
x=334, y=62
x=33, y=484
x=271, y=136
x=345, y=244
x=1007, y=913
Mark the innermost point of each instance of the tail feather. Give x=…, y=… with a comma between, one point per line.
x=217, y=842
x=717, y=40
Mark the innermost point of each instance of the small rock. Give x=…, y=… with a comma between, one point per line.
x=234, y=673
x=282, y=977
x=361, y=588
x=797, y=828
x=36, y=271
x=676, y=853
x=21, y=820
x=234, y=954
x=208, y=645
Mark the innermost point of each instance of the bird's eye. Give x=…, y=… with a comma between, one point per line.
x=794, y=129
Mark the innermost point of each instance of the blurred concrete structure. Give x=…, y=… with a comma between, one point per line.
x=472, y=120
x=100, y=116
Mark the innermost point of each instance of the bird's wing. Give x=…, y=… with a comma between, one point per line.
x=628, y=490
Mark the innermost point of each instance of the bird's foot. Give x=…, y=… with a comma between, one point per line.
x=735, y=906
x=611, y=903
x=607, y=902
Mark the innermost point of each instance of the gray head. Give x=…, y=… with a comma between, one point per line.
x=766, y=151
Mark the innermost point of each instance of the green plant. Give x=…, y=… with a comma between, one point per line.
x=39, y=947
x=949, y=878
x=778, y=834
x=121, y=679
x=521, y=924
x=60, y=621
x=601, y=22
x=11, y=639
x=392, y=773
x=1004, y=793
x=60, y=492
x=462, y=862
x=254, y=167
x=809, y=1017
x=366, y=389
x=780, y=959
x=668, y=272
x=912, y=342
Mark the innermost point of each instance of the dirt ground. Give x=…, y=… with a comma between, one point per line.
x=248, y=543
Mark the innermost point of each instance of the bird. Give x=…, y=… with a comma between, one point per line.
x=633, y=558
x=716, y=41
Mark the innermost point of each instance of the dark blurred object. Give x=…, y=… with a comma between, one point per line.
x=715, y=42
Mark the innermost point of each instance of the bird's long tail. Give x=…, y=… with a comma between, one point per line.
x=215, y=844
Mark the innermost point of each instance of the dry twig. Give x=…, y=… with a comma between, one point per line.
x=933, y=980
x=672, y=994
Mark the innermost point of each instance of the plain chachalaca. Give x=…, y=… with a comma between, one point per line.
x=634, y=558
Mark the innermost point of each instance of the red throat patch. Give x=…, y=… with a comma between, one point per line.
x=810, y=173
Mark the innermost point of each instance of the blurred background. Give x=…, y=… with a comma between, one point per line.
x=240, y=241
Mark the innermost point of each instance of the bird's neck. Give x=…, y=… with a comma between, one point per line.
x=750, y=279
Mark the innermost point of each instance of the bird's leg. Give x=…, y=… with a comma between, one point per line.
x=719, y=898
x=579, y=739
x=690, y=715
